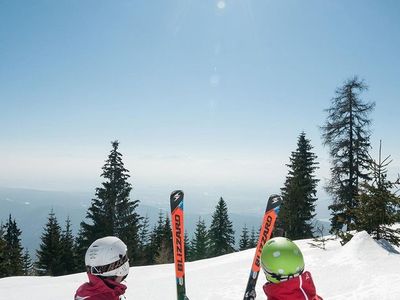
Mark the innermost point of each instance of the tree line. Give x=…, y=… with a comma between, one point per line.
x=363, y=198
x=60, y=253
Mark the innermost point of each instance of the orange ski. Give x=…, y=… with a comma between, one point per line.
x=271, y=213
x=178, y=240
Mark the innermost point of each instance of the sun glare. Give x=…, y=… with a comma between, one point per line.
x=221, y=4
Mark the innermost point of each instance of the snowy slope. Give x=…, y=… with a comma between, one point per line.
x=362, y=269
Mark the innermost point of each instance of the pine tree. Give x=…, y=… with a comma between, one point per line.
x=347, y=134
x=164, y=252
x=379, y=206
x=222, y=239
x=68, y=257
x=156, y=239
x=200, y=243
x=299, y=191
x=253, y=238
x=144, y=241
x=3, y=260
x=27, y=265
x=158, y=231
x=163, y=255
x=50, y=250
x=80, y=250
x=13, y=252
x=167, y=240
x=151, y=249
x=188, y=249
x=167, y=232
x=144, y=234
x=244, y=242
x=112, y=212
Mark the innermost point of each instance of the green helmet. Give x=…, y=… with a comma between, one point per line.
x=281, y=259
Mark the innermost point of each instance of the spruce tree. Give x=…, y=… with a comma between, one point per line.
x=111, y=211
x=244, y=242
x=164, y=252
x=151, y=249
x=27, y=264
x=13, y=252
x=299, y=192
x=158, y=231
x=156, y=238
x=167, y=232
x=200, y=243
x=167, y=240
x=379, y=206
x=3, y=271
x=221, y=233
x=188, y=248
x=49, y=255
x=144, y=241
x=347, y=134
x=253, y=238
x=144, y=234
x=68, y=257
x=80, y=247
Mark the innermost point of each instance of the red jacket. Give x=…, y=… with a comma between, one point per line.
x=297, y=288
x=99, y=289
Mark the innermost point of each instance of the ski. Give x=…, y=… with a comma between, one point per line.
x=178, y=232
x=270, y=215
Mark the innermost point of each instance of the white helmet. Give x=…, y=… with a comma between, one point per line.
x=107, y=257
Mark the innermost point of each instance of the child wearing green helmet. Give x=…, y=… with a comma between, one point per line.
x=283, y=265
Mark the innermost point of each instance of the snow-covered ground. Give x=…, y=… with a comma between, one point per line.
x=362, y=269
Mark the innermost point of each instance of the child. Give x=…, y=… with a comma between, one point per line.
x=283, y=265
x=107, y=265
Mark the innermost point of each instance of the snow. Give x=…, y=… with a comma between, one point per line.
x=362, y=269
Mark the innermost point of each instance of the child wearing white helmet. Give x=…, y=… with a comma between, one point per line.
x=107, y=265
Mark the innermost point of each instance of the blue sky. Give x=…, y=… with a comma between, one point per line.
x=207, y=96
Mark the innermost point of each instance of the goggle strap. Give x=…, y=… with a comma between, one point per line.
x=283, y=277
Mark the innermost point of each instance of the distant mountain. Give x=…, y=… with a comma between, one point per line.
x=31, y=208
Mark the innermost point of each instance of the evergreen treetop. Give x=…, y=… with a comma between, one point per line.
x=253, y=240
x=13, y=251
x=49, y=253
x=244, y=242
x=111, y=211
x=27, y=264
x=221, y=233
x=299, y=192
x=68, y=256
x=200, y=243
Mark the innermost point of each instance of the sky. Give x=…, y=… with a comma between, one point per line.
x=206, y=96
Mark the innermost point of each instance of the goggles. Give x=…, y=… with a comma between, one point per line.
x=98, y=270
